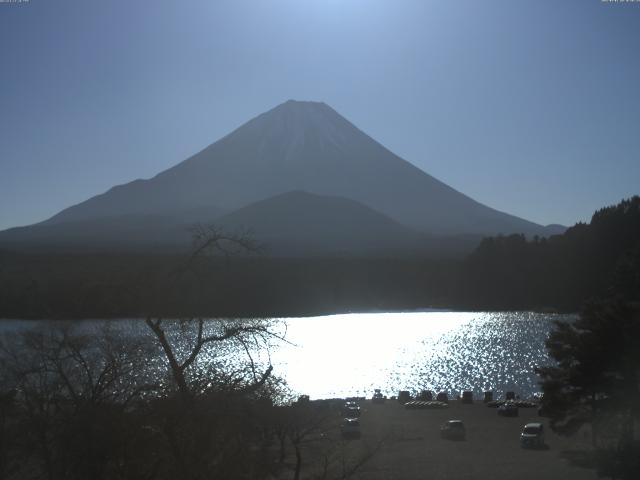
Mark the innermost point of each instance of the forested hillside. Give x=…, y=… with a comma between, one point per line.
x=588, y=260
x=503, y=273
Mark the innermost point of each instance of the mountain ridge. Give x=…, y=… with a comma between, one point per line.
x=300, y=146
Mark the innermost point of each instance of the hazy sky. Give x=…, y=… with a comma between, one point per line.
x=531, y=107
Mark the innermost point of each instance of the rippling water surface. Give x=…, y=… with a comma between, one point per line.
x=351, y=354
x=343, y=355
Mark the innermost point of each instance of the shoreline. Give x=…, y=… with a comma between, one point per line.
x=309, y=315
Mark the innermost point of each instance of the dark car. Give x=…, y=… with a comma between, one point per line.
x=442, y=397
x=453, y=430
x=378, y=397
x=351, y=410
x=508, y=409
x=404, y=396
x=532, y=436
x=426, y=395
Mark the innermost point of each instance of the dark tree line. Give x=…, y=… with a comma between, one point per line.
x=123, y=285
x=503, y=273
x=592, y=260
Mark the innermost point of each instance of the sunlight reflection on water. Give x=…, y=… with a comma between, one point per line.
x=351, y=354
x=344, y=355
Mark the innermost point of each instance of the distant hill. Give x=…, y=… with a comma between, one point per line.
x=297, y=146
x=300, y=223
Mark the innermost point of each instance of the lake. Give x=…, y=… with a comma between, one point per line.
x=343, y=355
x=351, y=354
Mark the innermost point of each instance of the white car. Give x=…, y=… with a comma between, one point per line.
x=350, y=427
x=532, y=436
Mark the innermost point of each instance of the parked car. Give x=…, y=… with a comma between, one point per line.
x=532, y=436
x=351, y=410
x=404, y=396
x=508, y=409
x=453, y=430
x=442, y=397
x=350, y=428
x=426, y=395
x=377, y=396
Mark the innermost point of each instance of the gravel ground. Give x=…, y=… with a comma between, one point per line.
x=407, y=445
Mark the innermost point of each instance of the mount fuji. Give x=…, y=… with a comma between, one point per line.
x=301, y=153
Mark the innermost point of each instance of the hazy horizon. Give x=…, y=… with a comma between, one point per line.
x=530, y=109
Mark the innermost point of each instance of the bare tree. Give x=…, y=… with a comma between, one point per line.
x=74, y=392
x=237, y=332
x=193, y=398
x=214, y=367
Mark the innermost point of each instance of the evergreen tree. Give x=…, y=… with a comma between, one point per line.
x=596, y=381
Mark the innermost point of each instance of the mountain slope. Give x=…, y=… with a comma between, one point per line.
x=118, y=232
x=302, y=146
x=290, y=224
x=300, y=223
